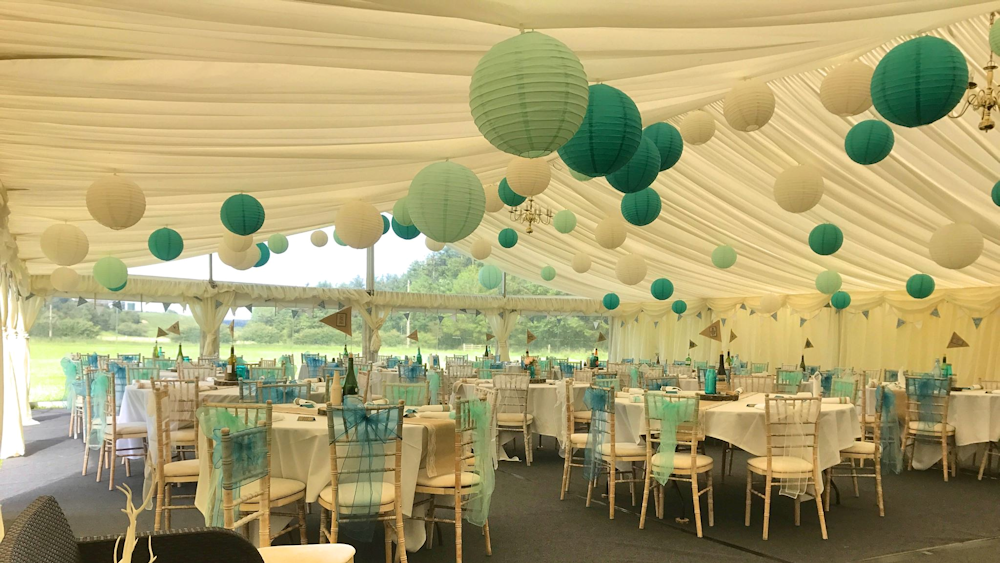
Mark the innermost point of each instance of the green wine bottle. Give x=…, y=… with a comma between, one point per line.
x=350, y=380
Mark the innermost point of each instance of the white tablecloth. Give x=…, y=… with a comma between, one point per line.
x=545, y=403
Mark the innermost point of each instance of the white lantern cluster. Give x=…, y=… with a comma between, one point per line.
x=610, y=232
x=433, y=245
x=319, y=238
x=631, y=269
x=799, y=188
x=64, y=279
x=528, y=176
x=481, y=249
x=65, y=244
x=359, y=224
x=697, y=128
x=581, y=263
x=769, y=304
x=116, y=202
x=749, y=105
x=240, y=260
x=956, y=246
x=846, y=90
x=235, y=242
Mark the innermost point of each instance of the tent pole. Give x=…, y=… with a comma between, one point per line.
x=366, y=350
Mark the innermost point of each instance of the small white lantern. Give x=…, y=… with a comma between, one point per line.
x=493, y=201
x=64, y=279
x=697, y=128
x=581, y=263
x=481, y=249
x=769, y=304
x=250, y=257
x=749, y=105
x=610, y=232
x=116, y=202
x=359, y=224
x=846, y=90
x=528, y=176
x=799, y=188
x=235, y=242
x=231, y=257
x=631, y=269
x=319, y=238
x=433, y=245
x=956, y=246
x=65, y=244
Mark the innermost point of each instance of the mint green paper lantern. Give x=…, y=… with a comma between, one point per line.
x=509, y=196
x=611, y=301
x=110, y=272
x=640, y=171
x=490, y=276
x=918, y=82
x=265, y=255
x=609, y=135
x=661, y=289
x=446, y=201
x=826, y=239
x=920, y=286
x=641, y=208
x=828, y=282
x=996, y=194
x=528, y=95
x=724, y=256
x=564, y=221
x=277, y=243
x=242, y=214
x=507, y=238
x=548, y=273
x=578, y=176
x=336, y=238
x=668, y=142
x=401, y=213
x=995, y=38
x=840, y=300
x=679, y=307
x=166, y=244
x=869, y=142
x=119, y=288
x=386, y=225
x=405, y=232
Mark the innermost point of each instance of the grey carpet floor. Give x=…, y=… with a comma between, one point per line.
x=926, y=519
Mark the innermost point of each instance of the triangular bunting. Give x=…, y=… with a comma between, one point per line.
x=637, y=318
x=808, y=344
x=802, y=322
x=900, y=322
x=490, y=336
x=679, y=317
x=752, y=313
x=723, y=322
x=656, y=324
x=478, y=312
x=406, y=316
x=321, y=305
x=500, y=314
x=413, y=336
x=935, y=313
x=774, y=316
x=249, y=307
x=530, y=337
x=341, y=320
x=865, y=313
x=295, y=313
x=596, y=323
x=440, y=319
x=81, y=301
x=743, y=306
x=621, y=324
x=166, y=306
x=160, y=333
x=691, y=344
x=118, y=305
x=976, y=321
x=732, y=336
x=957, y=341
x=174, y=328
x=713, y=332
x=601, y=337
x=218, y=303
x=699, y=314
x=464, y=311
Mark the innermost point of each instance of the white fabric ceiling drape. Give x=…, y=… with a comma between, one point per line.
x=209, y=312
x=502, y=324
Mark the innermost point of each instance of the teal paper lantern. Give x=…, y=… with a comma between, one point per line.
x=918, y=82
x=840, y=300
x=641, y=208
x=826, y=239
x=869, y=142
x=609, y=135
x=679, y=307
x=446, y=201
x=405, y=232
x=724, y=256
x=507, y=238
x=920, y=286
x=401, y=213
x=242, y=214
x=996, y=193
x=166, y=244
x=668, y=142
x=265, y=255
x=611, y=301
x=111, y=273
x=564, y=221
x=548, y=273
x=509, y=196
x=828, y=282
x=490, y=276
x=662, y=289
x=277, y=243
x=119, y=288
x=528, y=95
x=640, y=171
x=336, y=238
x=386, y=225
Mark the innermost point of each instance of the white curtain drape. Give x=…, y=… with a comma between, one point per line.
x=13, y=393
x=28, y=309
x=208, y=312
x=374, y=320
x=502, y=324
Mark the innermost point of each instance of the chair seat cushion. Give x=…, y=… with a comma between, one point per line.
x=582, y=415
x=185, y=468
x=185, y=435
x=382, y=494
x=578, y=439
x=682, y=460
x=782, y=464
x=127, y=429
x=929, y=427
x=860, y=448
x=624, y=449
x=312, y=553
x=446, y=481
x=280, y=488
x=513, y=419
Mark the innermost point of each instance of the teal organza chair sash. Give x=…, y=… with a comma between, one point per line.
x=100, y=386
x=120, y=373
x=392, y=362
x=74, y=385
x=411, y=373
x=249, y=443
x=412, y=394
x=759, y=367
x=701, y=365
x=601, y=402
x=788, y=381
x=92, y=361
x=888, y=428
x=266, y=372
x=633, y=376
x=129, y=358
x=612, y=383
x=287, y=363
x=434, y=386
x=141, y=374
x=314, y=365
x=930, y=395
x=282, y=393
x=669, y=413
x=472, y=419
x=845, y=388
x=657, y=383
x=567, y=370
x=164, y=364
x=891, y=375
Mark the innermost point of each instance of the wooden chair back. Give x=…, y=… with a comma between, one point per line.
x=410, y=394
x=184, y=400
x=791, y=425
x=688, y=429
x=512, y=393
x=657, y=383
x=990, y=384
x=753, y=383
x=927, y=400
x=136, y=373
x=195, y=372
x=758, y=367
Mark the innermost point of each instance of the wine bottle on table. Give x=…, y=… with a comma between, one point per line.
x=722, y=365
x=155, y=354
x=420, y=359
x=350, y=380
x=802, y=365
x=231, y=365
x=180, y=353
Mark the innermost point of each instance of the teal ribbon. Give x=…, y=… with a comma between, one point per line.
x=598, y=401
x=889, y=439
x=670, y=412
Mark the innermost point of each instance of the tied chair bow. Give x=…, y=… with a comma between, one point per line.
x=412, y=373
x=670, y=413
x=248, y=456
x=314, y=365
x=889, y=438
x=596, y=399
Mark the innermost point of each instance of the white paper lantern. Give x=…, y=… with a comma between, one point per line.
x=481, y=249
x=528, y=176
x=749, y=105
x=798, y=188
x=610, y=232
x=581, y=263
x=65, y=244
x=359, y=224
x=846, y=90
x=231, y=257
x=249, y=259
x=631, y=269
x=433, y=245
x=235, y=242
x=697, y=128
x=769, y=303
x=319, y=238
x=493, y=201
x=116, y=202
x=64, y=279
x=956, y=246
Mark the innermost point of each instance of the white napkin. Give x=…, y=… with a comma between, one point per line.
x=739, y=391
x=835, y=401
x=803, y=394
x=432, y=408
x=305, y=403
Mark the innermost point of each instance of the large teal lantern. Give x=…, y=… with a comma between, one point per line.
x=826, y=239
x=668, y=142
x=265, y=255
x=564, y=221
x=642, y=207
x=724, y=256
x=528, y=95
x=277, y=243
x=548, y=273
x=679, y=307
x=609, y=135
x=661, y=289
x=242, y=214
x=918, y=82
x=611, y=301
x=828, y=282
x=446, y=201
x=840, y=300
x=405, y=232
x=869, y=142
x=920, y=286
x=996, y=194
x=640, y=171
x=490, y=276
x=507, y=238
x=166, y=244
x=509, y=196
x=111, y=273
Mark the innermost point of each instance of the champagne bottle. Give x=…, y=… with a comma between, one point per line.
x=155, y=354
x=180, y=352
x=722, y=365
x=802, y=365
x=420, y=359
x=350, y=380
x=657, y=358
x=231, y=365
x=345, y=350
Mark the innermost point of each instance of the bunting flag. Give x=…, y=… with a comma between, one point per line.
x=218, y=303
x=596, y=323
x=500, y=314
x=713, y=332
x=732, y=336
x=175, y=328
x=621, y=324
x=802, y=322
x=691, y=344
x=478, y=312
x=900, y=322
x=196, y=298
x=413, y=336
x=249, y=307
x=490, y=336
x=723, y=322
x=656, y=324
x=637, y=318
x=341, y=306
x=160, y=333
x=295, y=313
x=81, y=301
x=464, y=311
x=166, y=306
x=698, y=315
x=30, y=295
x=976, y=321
x=774, y=316
x=809, y=344
x=601, y=337
x=530, y=337
x=440, y=319
x=752, y=313
x=341, y=320
x=406, y=316
x=865, y=313
x=935, y=313
x=679, y=317
x=957, y=341
x=321, y=305
x=828, y=305
x=118, y=305
x=743, y=306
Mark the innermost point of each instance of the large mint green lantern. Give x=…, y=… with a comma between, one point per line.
x=679, y=307
x=111, y=273
x=668, y=142
x=490, y=276
x=640, y=171
x=564, y=221
x=724, y=256
x=265, y=255
x=609, y=136
x=920, y=286
x=661, y=289
x=869, y=142
x=528, y=95
x=641, y=208
x=401, y=213
x=166, y=244
x=446, y=201
x=277, y=243
x=242, y=214
x=840, y=300
x=405, y=232
x=507, y=238
x=611, y=301
x=826, y=239
x=509, y=196
x=918, y=82
x=548, y=273
x=828, y=282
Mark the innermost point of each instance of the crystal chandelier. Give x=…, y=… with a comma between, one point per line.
x=981, y=100
x=530, y=214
